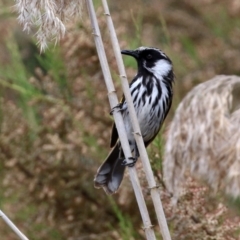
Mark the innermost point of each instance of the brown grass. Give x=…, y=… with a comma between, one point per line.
x=47, y=167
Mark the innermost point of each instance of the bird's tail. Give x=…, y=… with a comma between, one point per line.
x=110, y=173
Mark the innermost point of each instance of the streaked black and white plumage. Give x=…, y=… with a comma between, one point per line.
x=151, y=91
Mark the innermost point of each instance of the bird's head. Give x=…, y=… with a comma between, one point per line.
x=151, y=60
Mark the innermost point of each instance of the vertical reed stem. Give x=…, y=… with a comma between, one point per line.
x=119, y=122
x=155, y=194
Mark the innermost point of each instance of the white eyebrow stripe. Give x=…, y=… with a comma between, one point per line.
x=142, y=48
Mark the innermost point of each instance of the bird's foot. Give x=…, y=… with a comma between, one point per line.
x=129, y=162
x=117, y=108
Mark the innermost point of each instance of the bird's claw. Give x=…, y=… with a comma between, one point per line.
x=129, y=162
x=117, y=108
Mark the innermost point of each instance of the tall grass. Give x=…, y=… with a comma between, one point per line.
x=15, y=77
x=59, y=202
x=127, y=230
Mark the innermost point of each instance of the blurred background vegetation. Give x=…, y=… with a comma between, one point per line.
x=55, y=124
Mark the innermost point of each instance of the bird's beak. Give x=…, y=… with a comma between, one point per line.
x=132, y=53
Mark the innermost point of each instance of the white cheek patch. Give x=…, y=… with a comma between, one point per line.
x=161, y=68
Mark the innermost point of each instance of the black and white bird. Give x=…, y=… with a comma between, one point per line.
x=151, y=91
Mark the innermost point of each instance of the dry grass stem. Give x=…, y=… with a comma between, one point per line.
x=204, y=137
x=137, y=133
x=12, y=226
x=119, y=122
x=47, y=16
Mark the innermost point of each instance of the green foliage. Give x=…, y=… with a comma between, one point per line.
x=222, y=24
x=234, y=203
x=165, y=36
x=157, y=149
x=138, y=24
x=127, y=230
x=15, y=77
x=190, y=49
x=52, y=63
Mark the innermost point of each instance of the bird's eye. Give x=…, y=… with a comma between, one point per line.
x=149, y=56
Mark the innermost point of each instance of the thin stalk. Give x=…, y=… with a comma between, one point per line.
x=12, y=226
x=155, y=194
x=119, y=122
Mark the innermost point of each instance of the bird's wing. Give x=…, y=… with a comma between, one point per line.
x=166, y=113
x=114, y=136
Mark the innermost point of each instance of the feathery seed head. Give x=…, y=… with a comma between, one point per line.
x=204, y=137
x=48, y=16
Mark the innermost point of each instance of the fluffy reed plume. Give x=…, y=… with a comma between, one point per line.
x=48, y=16
x=204, y=137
